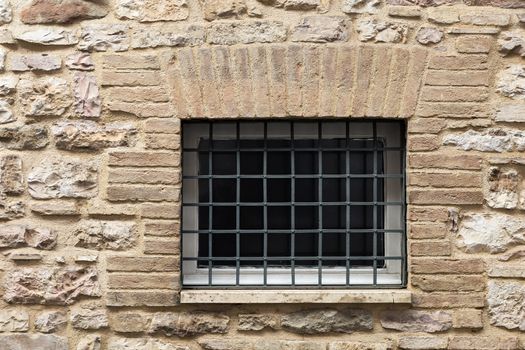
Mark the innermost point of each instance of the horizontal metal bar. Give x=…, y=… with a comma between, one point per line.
x=301, y=286
x=288, y=258
x=289, y=149
x=287, y=204
x=305, y=231
x=297, y=176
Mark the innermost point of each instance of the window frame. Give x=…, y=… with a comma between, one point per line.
x=394, y=275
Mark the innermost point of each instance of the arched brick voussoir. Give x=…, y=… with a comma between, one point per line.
x=293, y=80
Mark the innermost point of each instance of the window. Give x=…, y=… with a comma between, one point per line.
x=293, y=204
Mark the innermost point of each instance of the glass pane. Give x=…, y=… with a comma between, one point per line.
x=251, y=190
x=252, y=163
x=251, y=218
x=224, y=190
x=306, y=190
x=279, y=190
x=278, y=163
x=224, y=163
x=279, y=218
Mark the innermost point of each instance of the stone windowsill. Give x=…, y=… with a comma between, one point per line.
x=389, y=296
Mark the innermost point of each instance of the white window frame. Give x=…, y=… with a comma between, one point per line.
x=391, y=274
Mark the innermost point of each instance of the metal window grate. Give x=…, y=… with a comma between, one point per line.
x=280, y=204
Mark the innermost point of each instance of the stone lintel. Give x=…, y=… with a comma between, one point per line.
x=296, y=296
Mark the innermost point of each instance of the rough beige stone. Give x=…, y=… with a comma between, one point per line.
x=61, y=11
x=11, y=179
x=360, y=6
x=88, y=135
x=152, y=10
x=33, y=341
x=8, y=85
x=191, y=35
x=87, y=98
x=506, y=304
x=327, y=321
x=80, y=61
x=103, y=37
x=142, y=344
x=63, y=178
x=231, y=33
x=6, y=12
x=490, y=232
x=26, y=137
x=429, y=35
x=44, y=97
x=6, y=112
x=90, y=342
x=50, y=321
x=512, y=42
x=255, y=322
x=511, y=82
x=35, y=62
x=115, y=235
x=214, y=9
x=84, y=318
x=188, y=324
x=416, y=321
x=489, y=140
x=371, y=29
x=46, y=285
x=320, y=29
x=14, y=321
x=47, y=36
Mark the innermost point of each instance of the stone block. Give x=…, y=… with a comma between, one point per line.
x=89, y=319
x=320, y=29
x=44, y=97
x=59, y=177
x=189, y=324
x=63, y=11
x=50, y=321
x=142, y=264
x=417, y=321
x=327, y=321
x=232, y=33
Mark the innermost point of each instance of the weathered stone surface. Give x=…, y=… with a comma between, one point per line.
x=511, y=82
x=128, y=322
x=55, y=208
x=6, y=13
x=422, y=343
x=188, y=323
x=50, y=321
x=246, y=32
x=371, y=29
x=61, y=11
x=356, y=345
x=41, y=238
x=511, y=113
x=490, y=232
x=24, y=137
x=327, y=321
x=506, y=304
x=489, y=140
x=90, y=342
x=503, y=188
x=35, y=62
x=152, y=10
x=429, y=35
x=255, y=322
x=7, y=85
x=303, y=5
x=10, y=210
x=88, y=135
x=214, y=9
x=142, y=344
x=417, y=321
x=33, y=341
x=6, y=37
x=512, y=42
x=360, y=6
x=80, y=61
x=116, y=235
x=50, y=285
x=12, y=236
x=11, y=179
x=84, y=318
x=63, y=178
x=48, y=36
x=6, y=112
x=103, y=37
x=87, y=97
x=267, y=343
x=190, y=36
x=320, y=29
x=14, y=321
x=44, y=97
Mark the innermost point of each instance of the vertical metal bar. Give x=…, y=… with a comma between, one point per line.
x=320, y=199
x=374, y=218
x=237, y=205
x=348, y=206
x=404, y=264
x=265, y=209
x=210, y=207
x=292, y=204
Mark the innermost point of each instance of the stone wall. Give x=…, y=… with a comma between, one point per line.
x=91, y=98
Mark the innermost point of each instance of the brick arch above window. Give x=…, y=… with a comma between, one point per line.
x=296, y=80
